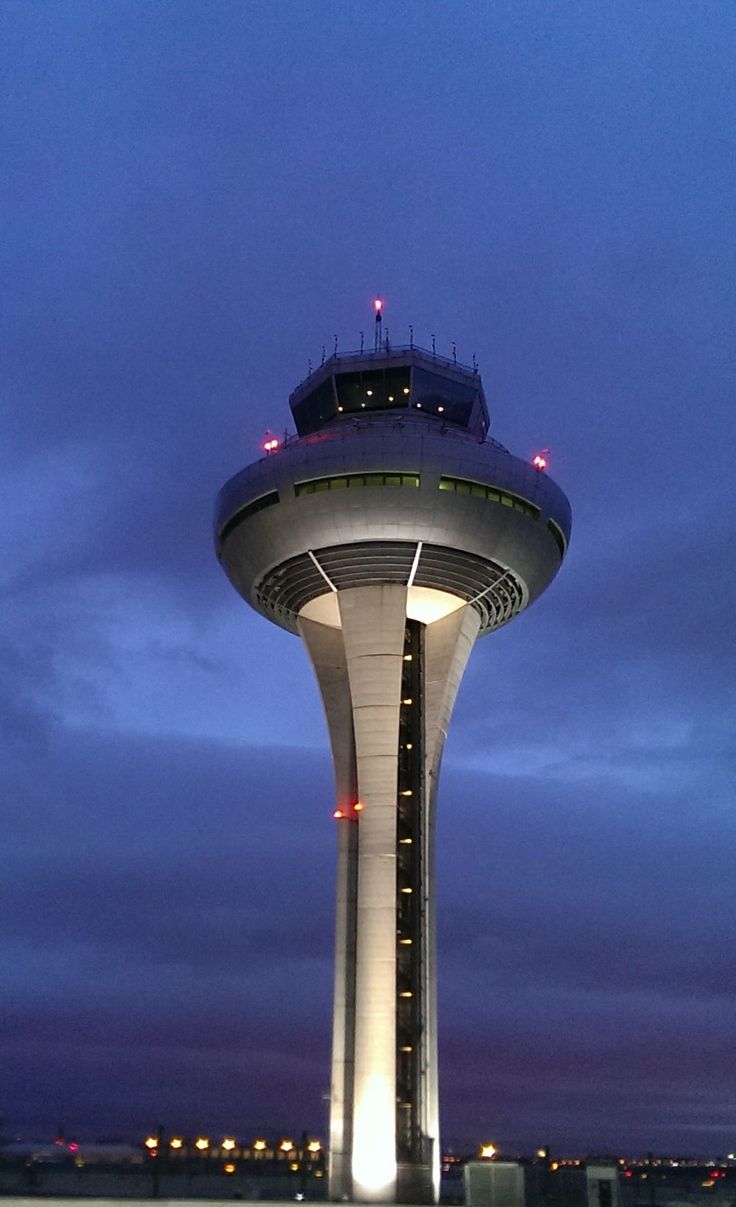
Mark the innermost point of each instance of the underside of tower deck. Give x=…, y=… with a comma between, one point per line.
x=389, y=536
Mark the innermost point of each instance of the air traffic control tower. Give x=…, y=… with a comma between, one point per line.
x=389, y=535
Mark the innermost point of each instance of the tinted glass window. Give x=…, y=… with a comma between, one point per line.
x=339, y=483
x=314, y=411
x=374, y=389
x=440, y=396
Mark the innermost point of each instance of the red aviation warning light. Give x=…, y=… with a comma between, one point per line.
x=270, y=444
x=378, y=306
x=338, y=814
x=539, y=460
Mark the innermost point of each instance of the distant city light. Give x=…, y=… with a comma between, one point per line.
x=228, y=1143
x=150, y=1142
x=177, y=1142
x=314, y=1146
x=358, y=806
x=488, y=1151
x=201, y=1143
x=286, y=1146
x=259, y=1145
x=229, y=1167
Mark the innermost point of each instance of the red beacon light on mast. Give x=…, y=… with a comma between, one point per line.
x=539, y=460
x=270, y=444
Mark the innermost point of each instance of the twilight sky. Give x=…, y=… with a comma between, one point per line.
x=196, y=197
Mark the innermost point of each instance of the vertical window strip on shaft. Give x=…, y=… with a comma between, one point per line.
x=409, y=902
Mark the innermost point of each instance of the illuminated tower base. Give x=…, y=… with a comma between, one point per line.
x=388, y=683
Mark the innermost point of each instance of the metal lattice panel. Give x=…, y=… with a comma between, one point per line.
x=496, y=593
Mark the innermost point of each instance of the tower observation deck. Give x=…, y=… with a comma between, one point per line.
x=389, y=534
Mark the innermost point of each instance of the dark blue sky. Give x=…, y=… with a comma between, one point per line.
x=196, y=197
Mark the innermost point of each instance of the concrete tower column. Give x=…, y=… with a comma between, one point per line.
x=327, y=654
x=359, y=667
x=373, y=622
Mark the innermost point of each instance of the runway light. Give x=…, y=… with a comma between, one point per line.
x=488, y=1151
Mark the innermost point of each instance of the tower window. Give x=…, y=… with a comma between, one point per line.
x=352, y=480
x=249, y=509
x=463, y=486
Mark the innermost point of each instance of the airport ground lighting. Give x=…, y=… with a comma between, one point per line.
x=389, y=534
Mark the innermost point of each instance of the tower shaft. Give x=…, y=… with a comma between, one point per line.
x=388, y=686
